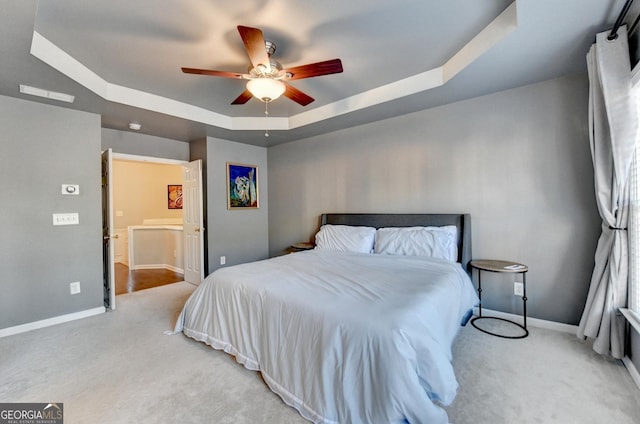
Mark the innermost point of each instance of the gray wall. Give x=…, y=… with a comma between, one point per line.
x=45, y=146
x=518, y=161
x=41, y=148
x=144, y=145
x=239, y=235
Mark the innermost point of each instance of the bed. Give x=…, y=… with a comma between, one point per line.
x=347, y=336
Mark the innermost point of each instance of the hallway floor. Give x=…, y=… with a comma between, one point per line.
x=140, y=279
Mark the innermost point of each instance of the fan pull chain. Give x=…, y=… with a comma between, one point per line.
x=266, y=114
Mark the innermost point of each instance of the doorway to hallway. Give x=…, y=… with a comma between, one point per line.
x=121, y=248
x=140, y=279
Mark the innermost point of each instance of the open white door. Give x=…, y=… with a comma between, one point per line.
x=108, y=248
x=192, y=222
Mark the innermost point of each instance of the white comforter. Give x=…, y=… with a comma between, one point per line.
x=341, y=337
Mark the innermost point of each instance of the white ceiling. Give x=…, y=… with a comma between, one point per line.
x=122, y=59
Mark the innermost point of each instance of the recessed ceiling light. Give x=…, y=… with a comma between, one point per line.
x=54, y=95
x=135, y=126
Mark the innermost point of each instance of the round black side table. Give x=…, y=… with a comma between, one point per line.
x=490, y=265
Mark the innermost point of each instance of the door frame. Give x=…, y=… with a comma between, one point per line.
x=136, y=158
x=108, y=249
x=148, y=159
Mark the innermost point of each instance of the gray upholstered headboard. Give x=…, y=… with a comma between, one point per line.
x=379, y=220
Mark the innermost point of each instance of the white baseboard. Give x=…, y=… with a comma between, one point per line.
x=174, y=269
x=635, y=376
x=159, y=266
x=533, y=322
x=23, y=328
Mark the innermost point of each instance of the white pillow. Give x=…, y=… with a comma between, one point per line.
x=345, y=238
x=436, y=242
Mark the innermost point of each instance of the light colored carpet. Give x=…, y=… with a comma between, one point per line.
x=119, y=367
x=548, y=377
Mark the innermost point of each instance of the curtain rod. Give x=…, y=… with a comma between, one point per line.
x=614, y=31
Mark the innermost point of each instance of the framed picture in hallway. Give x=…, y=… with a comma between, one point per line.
x=174, y=193
x=242, y=186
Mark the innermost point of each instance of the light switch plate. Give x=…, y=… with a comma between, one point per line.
x=66, y=218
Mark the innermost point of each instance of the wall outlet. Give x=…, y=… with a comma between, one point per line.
x=74, y=288
x=518, y=289
x=175, y=253
x=223, y=260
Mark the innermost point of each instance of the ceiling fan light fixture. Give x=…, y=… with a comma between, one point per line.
x=266, y=76
x=266, y=89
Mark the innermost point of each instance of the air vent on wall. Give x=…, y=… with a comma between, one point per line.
x=33, y=91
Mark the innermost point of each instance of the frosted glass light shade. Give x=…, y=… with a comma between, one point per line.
x=266, y=89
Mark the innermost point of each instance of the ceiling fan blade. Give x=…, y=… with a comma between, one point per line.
x=254, y=43
x=333, y=66
x=242, y=98
x=297, y=95
x=211, y=72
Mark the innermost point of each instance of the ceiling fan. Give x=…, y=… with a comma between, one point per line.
x=267, y=80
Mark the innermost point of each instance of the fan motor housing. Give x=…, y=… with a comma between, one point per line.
x=276, y=68
x=270, y=46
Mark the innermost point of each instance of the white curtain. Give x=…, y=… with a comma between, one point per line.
x=613, y=129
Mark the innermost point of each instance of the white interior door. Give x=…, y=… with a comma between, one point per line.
x=108, y=248
x=192, y=222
